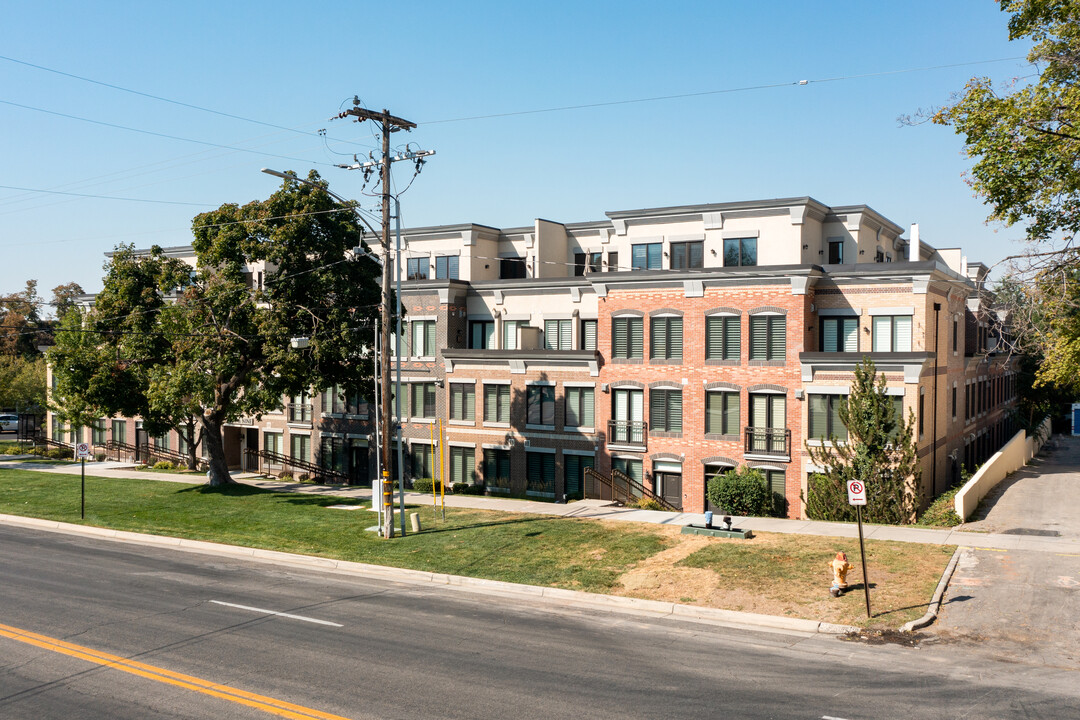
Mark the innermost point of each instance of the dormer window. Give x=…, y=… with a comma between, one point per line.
x=836, y=252
x=512, y=268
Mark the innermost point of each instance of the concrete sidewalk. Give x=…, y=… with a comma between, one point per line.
x=603, y=510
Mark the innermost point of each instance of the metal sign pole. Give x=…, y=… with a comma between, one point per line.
x=862, y=556
x=82, y=505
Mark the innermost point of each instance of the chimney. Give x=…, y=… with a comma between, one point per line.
x=963, y=265
x=913, y=244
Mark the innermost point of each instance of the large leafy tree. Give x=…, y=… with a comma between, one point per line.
x=21, y=328
x=879, y=451
x=1024, y=140
x=211, y=345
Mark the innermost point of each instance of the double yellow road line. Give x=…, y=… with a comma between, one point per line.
x=151, y=672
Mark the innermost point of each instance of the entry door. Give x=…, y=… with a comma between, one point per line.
x=628, y=410
x=669, y=487
x=358, y=465
x=142, y=446
x=251, y=443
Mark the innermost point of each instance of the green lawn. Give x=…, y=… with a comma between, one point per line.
x=771, y=574
x=577, y=554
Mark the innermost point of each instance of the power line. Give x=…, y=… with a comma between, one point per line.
x=162, y=99
x=161, y=135
x=745, y=88
x=103, y=197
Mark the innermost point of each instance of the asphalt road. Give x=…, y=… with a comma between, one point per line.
x=361, y=648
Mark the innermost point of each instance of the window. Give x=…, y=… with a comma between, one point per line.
x=768, y=337
x=423, y=338
x=161, y=442
x=768, y=411
x=740, y=252
x=97, y=432
x=540, y=474
x=574, y=467
x=422, y=465
x=953, y=402
x=722, y=341
x=300, y=447
x=627, y=335
x=665, y=410
x=481, y=334
x=590, y=262
x=497, y=403
x=665, y=338
x=825, y=418
x=588, y=335
x=613, y=262
x=446, y=267
x=510, y=333
x=922, y=407
x=646, y=256
x=558, y=334
x=687, y=255
x=417, y=268
x=423, y=400
x=336, y=401
x=955, y=333
x=836, y=252
x=879, y=256
x=892, y=333
x=840, y=334
x=462, y=401
x=462, y=465
x=540, y=405
x=274, y=443
x=776, y=482
x=119, y=431
x=497, y=469
x=627, y=466
x=722, y=413
x=580, y=410
x=332, y=455
x=512, y=268
x=300, y=408
x=182, y=443
x=627, y=412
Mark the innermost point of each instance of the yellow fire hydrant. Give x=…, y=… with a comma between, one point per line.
x=840, y=568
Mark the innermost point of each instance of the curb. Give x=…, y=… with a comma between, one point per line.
x=554, y=597
x=935, y=602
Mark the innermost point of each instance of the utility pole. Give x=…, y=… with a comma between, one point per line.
x=388, y=124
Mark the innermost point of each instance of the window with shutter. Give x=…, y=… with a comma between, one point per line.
x=665, y=410
x=646, y=256
x=628, y=466
x=574, y=474
x=497, y=403
x=540, y=405
x=446, y=267
x=462, y=401
x=497, y=469
x=892, y=333
x=665, y=338
x=541, y=474
x=462, y=465
x=587, y=416
x=588, y=335
x=579, y=407
x=635, y=337
x=722, y=413
x=627, y=337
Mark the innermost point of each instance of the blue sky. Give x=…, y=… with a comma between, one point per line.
x=294, y=65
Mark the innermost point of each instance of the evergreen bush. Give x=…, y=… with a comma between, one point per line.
x=741, y=492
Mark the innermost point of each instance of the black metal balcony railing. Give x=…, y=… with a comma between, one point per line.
x=627, y=432
x=768, y=441
x=299, y=412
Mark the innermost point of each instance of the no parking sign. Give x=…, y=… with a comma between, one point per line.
x=856, y=492
x=82, y=451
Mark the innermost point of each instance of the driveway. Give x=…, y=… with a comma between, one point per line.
x=1022, y=605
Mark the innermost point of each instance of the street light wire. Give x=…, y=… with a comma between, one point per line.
x=722, y=91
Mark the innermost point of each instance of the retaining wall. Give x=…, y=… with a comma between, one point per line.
x=1012, y=456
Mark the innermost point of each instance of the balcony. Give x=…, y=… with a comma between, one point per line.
x=631, y=434
x=299, y=412
x=768, y=442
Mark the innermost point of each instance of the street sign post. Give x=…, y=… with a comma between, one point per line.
x=82, y=451
x=856, y=494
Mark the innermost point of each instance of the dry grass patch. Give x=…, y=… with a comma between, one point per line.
x=777, y=574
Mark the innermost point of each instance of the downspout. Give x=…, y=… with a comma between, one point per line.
x=934, y=438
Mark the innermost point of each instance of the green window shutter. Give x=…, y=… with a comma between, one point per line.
x=731, y=414
x=759, y=337
x=674, y=410
x=850, y=332
x=572, y=474
x=829, y=334
x=504, y=404
x=491, y=403
x=713, y=414
x=675, y=340
x=714, y=338
x=777, y=337
x=759, y=411
x=882, y=333
x=489, y=465
x=619, y=337
x=658, y=409
x=534, y=466
x=732, y=338
x=902, y=325
x=457, y=465
x=779, y=417
x=587, y=408
x=636, y=337
x=573, y=404
x=658, y=340
x=470, y=402
x=818, y=415
x=588, y=332
x=429, y=337
x=550, y=333
x=547, y=409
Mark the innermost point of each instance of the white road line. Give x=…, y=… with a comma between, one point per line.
x=280, y=614
x=830, y=717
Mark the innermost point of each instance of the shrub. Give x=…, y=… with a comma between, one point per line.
x=826, y=499
x=423, y=485
x=164, y=465
x=54, y=453
x=647, y=503
x=285, y=476
x=303, y=477
x=99, y=457
x=942, y=512
x=741, y=492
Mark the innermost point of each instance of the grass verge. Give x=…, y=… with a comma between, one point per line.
x=771, y=574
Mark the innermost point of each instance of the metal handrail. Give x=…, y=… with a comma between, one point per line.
x=768, y=441
x=628, y=432
x=153, y=453
x=623, y=488
x=314, y=469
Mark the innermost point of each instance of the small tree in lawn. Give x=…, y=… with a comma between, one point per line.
x=879, y=451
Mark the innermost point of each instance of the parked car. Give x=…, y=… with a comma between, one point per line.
x=9, y=422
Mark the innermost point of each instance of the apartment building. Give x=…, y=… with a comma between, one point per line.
x=669, y=344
